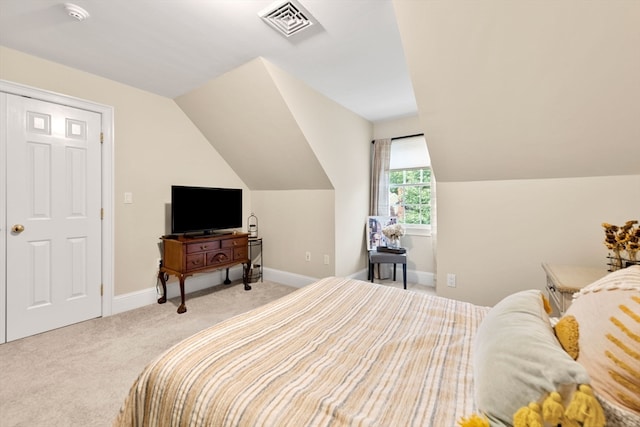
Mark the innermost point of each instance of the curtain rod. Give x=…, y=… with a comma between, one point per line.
x=403, y=137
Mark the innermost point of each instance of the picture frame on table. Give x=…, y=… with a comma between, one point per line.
x=375, y=224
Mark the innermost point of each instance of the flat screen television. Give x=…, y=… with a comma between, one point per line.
x=205, y=210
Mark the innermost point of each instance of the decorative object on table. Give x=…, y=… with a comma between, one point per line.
x=393, y=233
x=624, y=243
x=391, y=250
x=252, y=226
x=375, y=225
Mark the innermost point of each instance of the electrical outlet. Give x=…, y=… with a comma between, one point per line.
x=307, y=256
x=451, y=280
x=326, y=260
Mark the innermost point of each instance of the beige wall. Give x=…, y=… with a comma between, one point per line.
x=533, y=135
x=305, y=158
x=340, y=140
x=401, y=126
x=420, y=248
x=494, y=235
x=293, y=222
x=155, y=146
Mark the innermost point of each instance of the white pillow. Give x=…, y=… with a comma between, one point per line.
x=518, y=360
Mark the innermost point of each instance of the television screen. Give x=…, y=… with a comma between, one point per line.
x=205, y=209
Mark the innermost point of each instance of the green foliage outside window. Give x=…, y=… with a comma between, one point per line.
x=410, y=195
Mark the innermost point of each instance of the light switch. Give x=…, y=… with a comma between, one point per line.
x=128, y=197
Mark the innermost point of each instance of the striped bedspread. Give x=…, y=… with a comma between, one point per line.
x=339, y=352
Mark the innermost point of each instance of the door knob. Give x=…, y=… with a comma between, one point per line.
x=18, y=228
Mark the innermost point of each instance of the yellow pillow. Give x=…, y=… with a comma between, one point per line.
x=608, y=316
x=568, y=334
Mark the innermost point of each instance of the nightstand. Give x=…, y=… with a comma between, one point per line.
x=564, y=280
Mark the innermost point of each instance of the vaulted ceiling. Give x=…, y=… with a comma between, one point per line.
x=245, y=116
x=352, y=53
x=504, y=90
x=526, y=89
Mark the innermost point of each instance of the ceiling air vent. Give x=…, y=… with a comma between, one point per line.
x=287, y=17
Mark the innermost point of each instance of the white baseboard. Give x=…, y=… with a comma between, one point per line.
x=195, y=283
x=299, y=281
x=289, y=279
x=413, y=276
x=421, y=278
x=198, y=282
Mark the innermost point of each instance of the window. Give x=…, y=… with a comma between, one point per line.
x=410, y=182
x=410, y=195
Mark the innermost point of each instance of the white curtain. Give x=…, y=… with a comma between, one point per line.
x=379, y=202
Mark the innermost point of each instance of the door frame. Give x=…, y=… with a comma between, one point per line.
x=107, y=179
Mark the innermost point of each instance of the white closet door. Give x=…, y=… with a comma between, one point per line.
x=53, y=197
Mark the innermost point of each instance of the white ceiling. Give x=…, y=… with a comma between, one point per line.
x=169, y=47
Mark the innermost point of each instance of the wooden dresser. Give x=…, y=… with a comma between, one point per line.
x=565, y=280
x=185, y=256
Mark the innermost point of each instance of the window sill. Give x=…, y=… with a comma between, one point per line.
x=424, y=231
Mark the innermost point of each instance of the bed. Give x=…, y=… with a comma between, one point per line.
x=339, y=352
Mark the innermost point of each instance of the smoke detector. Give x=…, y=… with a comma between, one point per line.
x=287, y=17
x=76, y=12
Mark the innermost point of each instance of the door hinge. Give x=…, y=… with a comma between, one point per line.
x=101, y=138
x=101, y=289
x=101, y=213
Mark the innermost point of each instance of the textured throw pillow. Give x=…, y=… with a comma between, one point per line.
x=568, y=334
x=522, y=376
x=608, y=316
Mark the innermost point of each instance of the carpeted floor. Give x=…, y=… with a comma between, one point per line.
x=79, y=375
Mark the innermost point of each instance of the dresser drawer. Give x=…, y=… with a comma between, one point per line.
x=235, y=243
x=241, y=252
x=195, y=261
x=203, y=246
x=221, y=256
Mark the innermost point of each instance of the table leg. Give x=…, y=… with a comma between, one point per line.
x=227, y=281
x=404, y=275
x=163, y=281
x=183, y=307
x=245, y=276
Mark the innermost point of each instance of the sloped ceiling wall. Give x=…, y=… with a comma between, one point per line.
x=526, y=89
x=245, y=118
